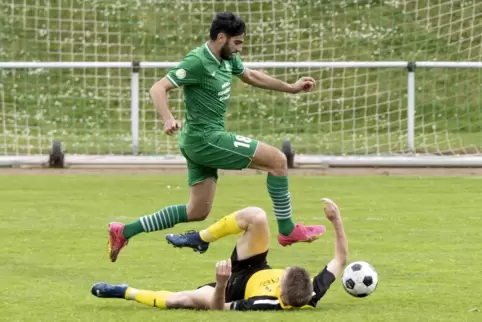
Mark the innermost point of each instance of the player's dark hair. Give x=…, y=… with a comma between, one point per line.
x=227, y=23
x=297, y=288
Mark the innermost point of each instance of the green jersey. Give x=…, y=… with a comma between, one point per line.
x=207, y=88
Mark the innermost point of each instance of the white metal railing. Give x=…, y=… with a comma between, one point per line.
x=410, y=66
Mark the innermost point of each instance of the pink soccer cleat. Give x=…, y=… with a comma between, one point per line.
x=117, y=241
x=302, y=233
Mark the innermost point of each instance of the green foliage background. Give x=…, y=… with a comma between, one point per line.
x=352, y=111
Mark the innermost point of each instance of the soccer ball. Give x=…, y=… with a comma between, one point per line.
x=359, y=279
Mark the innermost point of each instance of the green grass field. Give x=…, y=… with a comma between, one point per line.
x=421, y=234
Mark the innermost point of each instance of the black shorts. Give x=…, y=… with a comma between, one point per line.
x=242, y=270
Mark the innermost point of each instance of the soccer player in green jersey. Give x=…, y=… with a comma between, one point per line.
x=206, y=74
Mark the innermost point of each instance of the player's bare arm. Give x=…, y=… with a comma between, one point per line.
x=223, y=273
x=159, y=92
x=332, y=212
x=259, y=79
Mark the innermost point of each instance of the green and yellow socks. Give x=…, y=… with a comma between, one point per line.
x=163, y=219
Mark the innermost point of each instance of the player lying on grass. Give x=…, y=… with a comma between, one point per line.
x=246, y=281
x=206, y=75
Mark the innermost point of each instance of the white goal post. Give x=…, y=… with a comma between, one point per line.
x=412, y=132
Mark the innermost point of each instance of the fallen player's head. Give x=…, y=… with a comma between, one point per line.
x=296, y=287
x=227, y=29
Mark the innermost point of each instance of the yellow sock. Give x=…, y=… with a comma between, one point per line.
x=224, y=227
x=150, y=298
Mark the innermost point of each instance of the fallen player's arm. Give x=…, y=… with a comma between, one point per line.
x=219, y=298
x=323, y=281
x=259, y=79
x=223, y=273
x=158, y=93
x=341, y=248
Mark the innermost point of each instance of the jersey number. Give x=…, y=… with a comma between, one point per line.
x=242, y=141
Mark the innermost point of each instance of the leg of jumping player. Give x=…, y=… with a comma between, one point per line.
x=202, y=182
x=273, y=161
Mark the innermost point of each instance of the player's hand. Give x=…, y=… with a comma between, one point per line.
x=171, y=126
x=223, y=271
x=332, y=211
x=304, y=84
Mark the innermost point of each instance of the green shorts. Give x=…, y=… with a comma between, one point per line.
x=217, y=150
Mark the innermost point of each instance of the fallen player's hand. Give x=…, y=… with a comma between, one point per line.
x=171, y=126
x=331, y=209
x=223, y=271
x=305, y=84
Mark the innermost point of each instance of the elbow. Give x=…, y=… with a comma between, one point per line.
x=161, y=87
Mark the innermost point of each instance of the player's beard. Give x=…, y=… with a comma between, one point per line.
x=226, y=53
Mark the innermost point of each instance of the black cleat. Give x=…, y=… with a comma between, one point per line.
x=106, y=290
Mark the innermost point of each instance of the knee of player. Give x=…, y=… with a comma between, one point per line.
x=280, y=163
x=257, y=216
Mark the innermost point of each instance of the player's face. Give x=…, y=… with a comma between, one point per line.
x=232, y=45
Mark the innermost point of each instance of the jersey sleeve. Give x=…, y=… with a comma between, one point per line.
x=237, y=66
x=187, y=72
x=257, y=303
x=321, y=284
